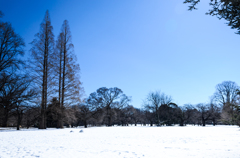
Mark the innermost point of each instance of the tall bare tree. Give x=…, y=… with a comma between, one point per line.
x=69, y=87
x=42, y=52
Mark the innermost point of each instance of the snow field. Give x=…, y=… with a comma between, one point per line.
x=119, y=142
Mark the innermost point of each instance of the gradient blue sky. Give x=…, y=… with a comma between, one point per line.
x=139, y=45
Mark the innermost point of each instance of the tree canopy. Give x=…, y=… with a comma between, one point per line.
x=222, y=9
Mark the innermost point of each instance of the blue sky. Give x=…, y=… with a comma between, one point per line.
x=139, y=45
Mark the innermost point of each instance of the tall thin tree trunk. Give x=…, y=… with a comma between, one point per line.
x=181, y=122
x=19, y=118
x=44, y=86
x=41, y=122
x=63, y=76
x=18, y=122
x=232, y=114
x=5, y=118
x=60, y=122
x=85, y=123
x=158, y=120
x=214, y=122
x=203, y=122
x=46, y=83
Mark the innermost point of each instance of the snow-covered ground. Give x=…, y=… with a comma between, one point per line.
x=114, y=142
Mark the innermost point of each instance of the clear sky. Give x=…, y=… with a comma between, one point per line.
x=139, y=45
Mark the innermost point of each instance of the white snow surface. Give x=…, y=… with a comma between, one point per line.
x=119, y=142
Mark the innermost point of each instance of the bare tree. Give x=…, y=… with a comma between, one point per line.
x=69, y=87
x=31, y=116
x=42, y=53
x=84, y=114
x=107, y=99
x=215, y=111
x=127, y=115
x=205, y=113
x=150, y=117
x=184, y=113
x=226, y=92
x=86, y=111
x=226, y=96
x=11, y=48
x=14, y=96
x=22, y=104
x=137, y=116
x=11, y=86
x=154, y=101
x=69, y=115
x=7, y=97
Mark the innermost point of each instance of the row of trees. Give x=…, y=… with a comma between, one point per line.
x=223, y=108
x=110, y=106
x=29, y=88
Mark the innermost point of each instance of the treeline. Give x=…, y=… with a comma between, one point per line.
x=45, y=90
x=111, y=107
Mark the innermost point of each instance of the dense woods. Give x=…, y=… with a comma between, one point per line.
x=46, y=91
